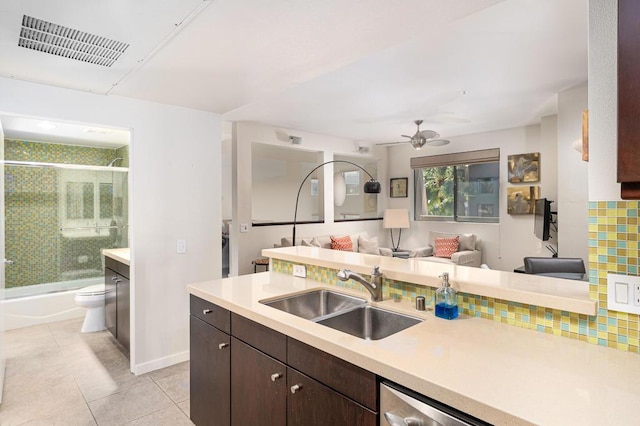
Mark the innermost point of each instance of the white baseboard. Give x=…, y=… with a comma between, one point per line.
x=157, y=364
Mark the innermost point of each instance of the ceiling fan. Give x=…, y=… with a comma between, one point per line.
x=420, y=138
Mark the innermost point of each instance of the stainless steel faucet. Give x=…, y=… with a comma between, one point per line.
x=374, y=287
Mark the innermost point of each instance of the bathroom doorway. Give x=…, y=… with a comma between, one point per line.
x=65, y=200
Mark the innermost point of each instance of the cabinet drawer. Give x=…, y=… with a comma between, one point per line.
x=346, y=378
x=119, y=267
x=315, y=404
x=210, y=313
x=260, y=337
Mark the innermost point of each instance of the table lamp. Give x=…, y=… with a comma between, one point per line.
x=396, y=218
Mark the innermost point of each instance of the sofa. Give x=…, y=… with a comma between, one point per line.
x=360, y=242
x=467, y=252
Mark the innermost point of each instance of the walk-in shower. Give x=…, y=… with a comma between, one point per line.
x=63, y=205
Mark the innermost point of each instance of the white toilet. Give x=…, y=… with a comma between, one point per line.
x=92, y=298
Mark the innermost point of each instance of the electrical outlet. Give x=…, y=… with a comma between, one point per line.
x=623, y=293
x=300, y=271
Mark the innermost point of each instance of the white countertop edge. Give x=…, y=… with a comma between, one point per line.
x=121, y=255
x=547, y=292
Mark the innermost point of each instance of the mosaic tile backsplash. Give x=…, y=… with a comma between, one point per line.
x=613, y=247
x=32, y=212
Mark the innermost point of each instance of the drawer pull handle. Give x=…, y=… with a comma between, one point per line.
x=206, y=311
x=275, y=376
x=296, y=388
x=222, y=345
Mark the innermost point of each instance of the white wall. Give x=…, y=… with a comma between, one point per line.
x=245, y=247
x=573, y=176
x=603, y=101
x=175, y=181
x=504, y=244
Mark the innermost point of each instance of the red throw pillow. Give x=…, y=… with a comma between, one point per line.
x=445, y=247
x=341, y=243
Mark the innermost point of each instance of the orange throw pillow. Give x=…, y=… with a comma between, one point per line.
x=445, y=247
x=341, y=243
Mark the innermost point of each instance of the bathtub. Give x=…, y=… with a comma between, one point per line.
x=19, y=309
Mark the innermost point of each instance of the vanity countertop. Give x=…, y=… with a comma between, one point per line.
x=122, y=255
x=496, y=372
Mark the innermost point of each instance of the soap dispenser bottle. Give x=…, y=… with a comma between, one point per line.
x=446, y=299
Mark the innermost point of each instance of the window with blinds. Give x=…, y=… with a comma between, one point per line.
x=462, y=187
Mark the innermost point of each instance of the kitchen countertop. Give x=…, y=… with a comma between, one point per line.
x=548, y=292
x=496, y=372
x=122, y=255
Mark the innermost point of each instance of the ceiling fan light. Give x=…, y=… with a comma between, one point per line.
x=418, y=143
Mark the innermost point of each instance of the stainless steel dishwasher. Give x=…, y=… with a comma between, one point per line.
x=403, y=407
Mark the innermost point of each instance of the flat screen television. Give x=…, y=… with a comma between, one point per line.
x=543, y=218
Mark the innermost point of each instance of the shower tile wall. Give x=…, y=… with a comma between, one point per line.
x=32, y=239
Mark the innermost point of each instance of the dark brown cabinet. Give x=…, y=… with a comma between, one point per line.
x=117, y=301
x=267, y=378
x=312, y=403
x=629, y=98
x=259, y=387
x=210, y=370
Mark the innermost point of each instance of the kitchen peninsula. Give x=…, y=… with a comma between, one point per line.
x=495, y=372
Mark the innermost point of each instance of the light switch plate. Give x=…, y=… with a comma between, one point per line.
x=244, y=227
x=623, y=293
x=181, y=246
x=300, y=271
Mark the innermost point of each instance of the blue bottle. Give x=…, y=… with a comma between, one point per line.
x=446, y=300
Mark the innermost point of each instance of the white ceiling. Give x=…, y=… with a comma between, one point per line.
x=359, y=69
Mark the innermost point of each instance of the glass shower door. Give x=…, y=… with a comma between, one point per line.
x=59, y=217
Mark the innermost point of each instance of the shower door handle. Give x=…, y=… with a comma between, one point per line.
x=8, y=262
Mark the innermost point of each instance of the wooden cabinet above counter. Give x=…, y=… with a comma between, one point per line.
x=629, y=99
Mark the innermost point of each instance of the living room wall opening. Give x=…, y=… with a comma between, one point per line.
x=460, y=187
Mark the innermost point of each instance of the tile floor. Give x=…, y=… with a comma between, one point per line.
x=56, y=375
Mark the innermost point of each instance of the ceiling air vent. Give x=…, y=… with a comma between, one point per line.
x=62, y=41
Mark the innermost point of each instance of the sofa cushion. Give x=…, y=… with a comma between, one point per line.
x=445, y=247
x=341, y=243
x=368, y=245
x=310, y=242
x=466, y=241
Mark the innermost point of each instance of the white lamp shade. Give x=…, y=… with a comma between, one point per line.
x=396, y=218
x=339, y=189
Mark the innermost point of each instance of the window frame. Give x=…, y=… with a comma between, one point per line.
x=455, y=160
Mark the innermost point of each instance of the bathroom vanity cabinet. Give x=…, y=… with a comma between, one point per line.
x=117, y=297
x=245, y=373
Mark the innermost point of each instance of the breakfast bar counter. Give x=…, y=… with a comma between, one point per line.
x=495, y=372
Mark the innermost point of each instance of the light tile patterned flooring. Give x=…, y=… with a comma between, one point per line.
x=56, y=375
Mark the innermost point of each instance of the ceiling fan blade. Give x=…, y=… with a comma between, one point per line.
x=428, y=134
x=405, y=136
x=438, y=142
x=392, y=143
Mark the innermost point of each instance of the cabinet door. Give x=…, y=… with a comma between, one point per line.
x=312, y=403
x=122, y=317
x=210, y=375
x=110, y=278
x=258, y=387
x=628, y=99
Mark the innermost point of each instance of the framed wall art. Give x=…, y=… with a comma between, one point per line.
x=521, y=199
x=398, y=187
x=524, y=167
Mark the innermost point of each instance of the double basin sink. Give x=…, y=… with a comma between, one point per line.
x=345, y=313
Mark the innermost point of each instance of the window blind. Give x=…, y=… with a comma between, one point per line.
x=458, y=158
